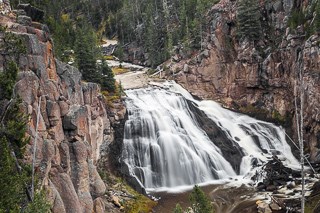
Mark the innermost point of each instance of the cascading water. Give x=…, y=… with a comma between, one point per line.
x=164, y=145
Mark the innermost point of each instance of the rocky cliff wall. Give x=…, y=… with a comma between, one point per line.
x=73, y=121
x=257, y=78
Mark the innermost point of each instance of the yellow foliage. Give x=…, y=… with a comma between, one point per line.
x=140, y=203
x=65, y=18
x=118, y=70
x=108, y=57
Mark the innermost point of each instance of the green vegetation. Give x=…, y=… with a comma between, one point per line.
x=12, y=45
x=39, y=204
x=308, y=18
x=12, y=183
x=311, y=203
x=8, y=80
x=107, y=80
x=278, y=117
x=254, y=111
x=199, y=201
x=155, y=25
x=248, y=19
x=178, y=209
x=135, y=202
x=159, y=25
x=77, y=28
x=15, y=177
x=296, y=18
x=86, y=54
x=317, y=18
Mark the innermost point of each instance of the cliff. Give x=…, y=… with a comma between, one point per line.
x=257, y=78
x=67, y=118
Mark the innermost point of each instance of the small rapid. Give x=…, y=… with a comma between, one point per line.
x=166, y=146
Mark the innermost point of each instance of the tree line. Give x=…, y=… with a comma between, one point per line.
x=76, y=28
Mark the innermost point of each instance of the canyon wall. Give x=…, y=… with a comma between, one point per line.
x=257, y=78
x=67, y=120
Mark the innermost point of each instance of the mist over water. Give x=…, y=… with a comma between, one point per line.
x=165, y=147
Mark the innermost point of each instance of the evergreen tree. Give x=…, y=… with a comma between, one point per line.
x=39, y=204
x=152, y=44
x=107, y=80
x=11, y=182
x=248, y=18
x=14, y=128
x=199, y=201
x=177, y=209
x=317, y=17
x=8, y=80
x=86, y=54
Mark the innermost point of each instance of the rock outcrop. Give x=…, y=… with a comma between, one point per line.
x=257, y=78
x=68, y=116
x=5, y=7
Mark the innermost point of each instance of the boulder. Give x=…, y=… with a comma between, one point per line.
x=99, y=206
x=263, y=207
x=274, y=207
x=185, y=68
x=115, y=200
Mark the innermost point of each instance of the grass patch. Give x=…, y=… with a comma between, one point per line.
x=278, y=117
x=119, y=70
x=108, y=57
x=112, y=97
x=139, y=204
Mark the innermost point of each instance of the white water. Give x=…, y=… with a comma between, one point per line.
x=164, y=147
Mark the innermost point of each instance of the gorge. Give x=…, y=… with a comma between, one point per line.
x=160, y=135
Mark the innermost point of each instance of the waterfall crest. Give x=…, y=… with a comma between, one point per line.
x=166, y=146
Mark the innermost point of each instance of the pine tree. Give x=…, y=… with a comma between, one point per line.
x=199, y=201
x=8, y=80
x=248, y=18
x=107, y=80
x=39, y=204
x=11, y=182
x=317, y=17
x=177, y=209
x=85, y=52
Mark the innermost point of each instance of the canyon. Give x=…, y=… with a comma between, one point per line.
x=78, y=135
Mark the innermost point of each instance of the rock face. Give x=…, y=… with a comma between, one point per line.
x=257, y=78
x=73, y=121
x=5, y=6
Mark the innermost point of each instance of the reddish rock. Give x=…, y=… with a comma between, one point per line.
x=55, y=199
x=64, y=186
x=98, y=206
x=97, y=186
x=64, y=108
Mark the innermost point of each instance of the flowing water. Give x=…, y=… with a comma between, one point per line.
x=165, y=147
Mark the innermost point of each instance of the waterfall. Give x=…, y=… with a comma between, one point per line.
x=165, y=145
